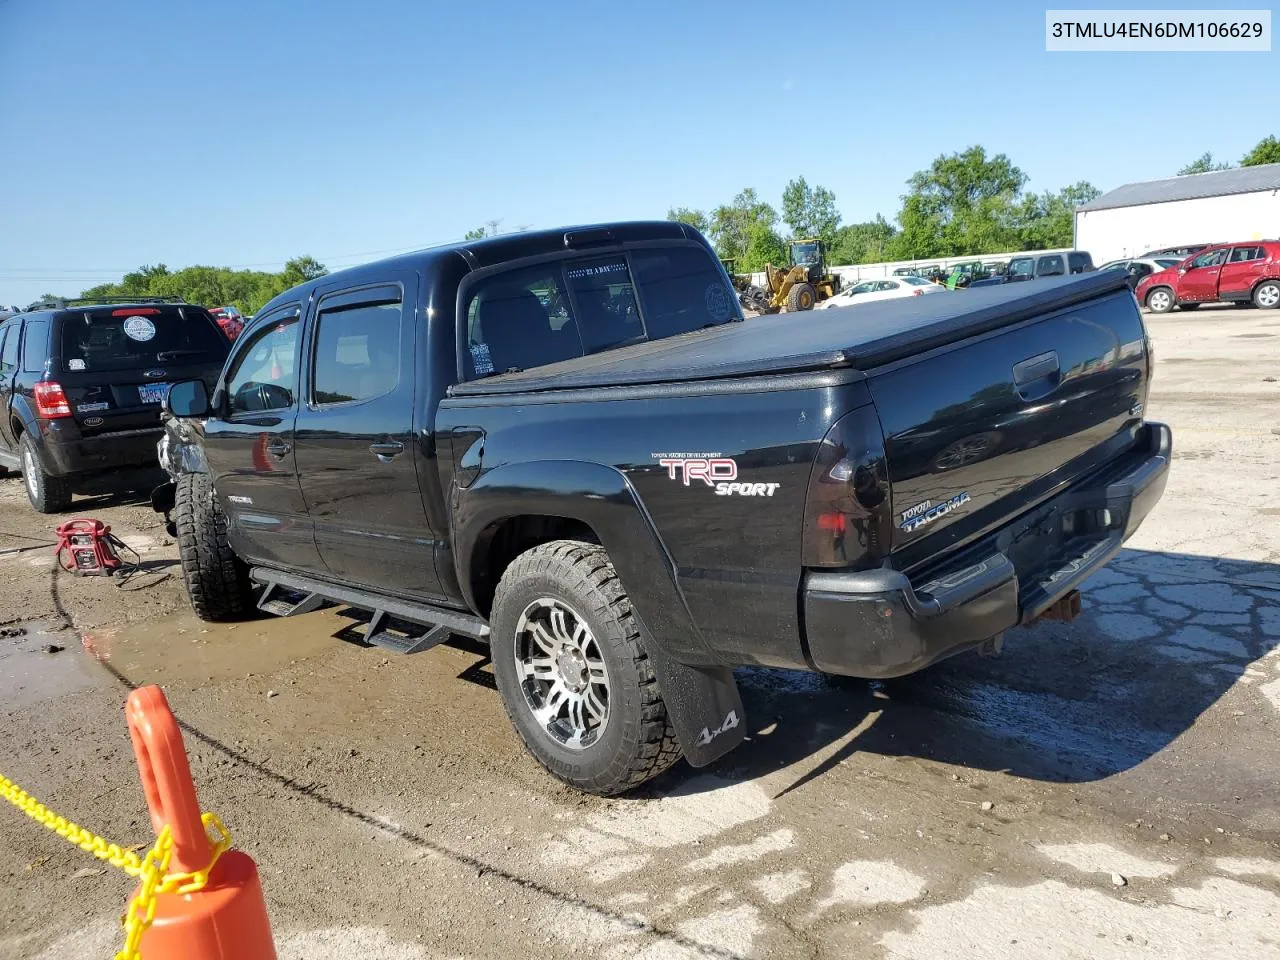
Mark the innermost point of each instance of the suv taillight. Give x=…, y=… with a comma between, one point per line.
x=51, y=401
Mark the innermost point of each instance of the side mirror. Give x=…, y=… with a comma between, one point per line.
x=188, y=398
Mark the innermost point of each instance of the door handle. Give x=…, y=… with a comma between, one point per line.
x=278, y=449
x=1035, y=368
x=385, y=451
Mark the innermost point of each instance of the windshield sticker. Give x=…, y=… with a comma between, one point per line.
x=598, y=270
x=75, y=364
x=720, y=473
x=480, y=359
x=718, y=303
x=139, y=328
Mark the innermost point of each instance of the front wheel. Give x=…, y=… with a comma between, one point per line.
x=1267, y=295
x=573, y=673
x=1160, y=300
x=217, y=580
x=801, y=297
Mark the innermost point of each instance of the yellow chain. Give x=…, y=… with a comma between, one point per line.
x=151, y=869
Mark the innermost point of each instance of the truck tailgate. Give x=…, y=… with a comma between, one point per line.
x=980, y=430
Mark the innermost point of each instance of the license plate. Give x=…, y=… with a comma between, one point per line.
x=152, y=392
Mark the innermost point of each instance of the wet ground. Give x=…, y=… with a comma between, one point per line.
x=1106, y=788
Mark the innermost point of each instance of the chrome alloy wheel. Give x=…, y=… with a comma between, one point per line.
x=562, y=673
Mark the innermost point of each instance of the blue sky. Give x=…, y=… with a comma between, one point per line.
x=244, y=133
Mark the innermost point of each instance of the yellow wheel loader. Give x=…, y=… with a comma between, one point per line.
x=804, y=282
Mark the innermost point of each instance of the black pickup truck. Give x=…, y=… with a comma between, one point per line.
x=571, y=444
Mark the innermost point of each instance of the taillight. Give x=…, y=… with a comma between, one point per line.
x=916, y=292
x=51, y=401
x=848, y=511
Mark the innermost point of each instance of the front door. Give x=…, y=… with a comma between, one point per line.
x=249, y=446
x=1200, y=282
x=355, y=442
x=1244, y=268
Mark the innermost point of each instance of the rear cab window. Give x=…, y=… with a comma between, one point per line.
x=1050, y=267
x=130, y=337
x=558, y=310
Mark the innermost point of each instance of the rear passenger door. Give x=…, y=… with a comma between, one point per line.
x=9, y=336
x=356, y=445
x=1244, y=268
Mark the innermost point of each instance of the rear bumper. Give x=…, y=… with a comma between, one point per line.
x=62, y=454
x=877, y=623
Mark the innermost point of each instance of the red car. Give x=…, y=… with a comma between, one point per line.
x=230, y=321
x=1243, y=273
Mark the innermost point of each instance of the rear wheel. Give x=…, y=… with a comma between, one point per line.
x=1267, y=295
x=47, y=493
x=572, y=671
x=1160, y=300
x=801, y=297
x=217, y=580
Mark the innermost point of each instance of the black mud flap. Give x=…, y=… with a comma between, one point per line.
x=703, y=704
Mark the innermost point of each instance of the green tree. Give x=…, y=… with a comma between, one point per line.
x=474, y=234
x=1267, y=151
x=862, y=242
x=1203, y=164
x=810, y=211
x=731, y=224
x=1047, y=220
x=693, y=218
x=964, y=203
x=248, y=290
x=763, y=246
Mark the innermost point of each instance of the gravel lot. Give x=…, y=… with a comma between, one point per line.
x=1106, y=788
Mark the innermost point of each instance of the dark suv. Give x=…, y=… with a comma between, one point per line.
x=81, y=384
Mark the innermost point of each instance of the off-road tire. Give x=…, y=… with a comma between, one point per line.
x=801, y=297
x=217, y=580
x=638, y=743
x=47, y=493
x=1272, y=295
x=1166, y=304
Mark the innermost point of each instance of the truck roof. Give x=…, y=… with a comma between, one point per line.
x=858, y=337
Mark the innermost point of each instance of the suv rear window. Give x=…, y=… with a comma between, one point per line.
x=569, y=308
x=122, y=338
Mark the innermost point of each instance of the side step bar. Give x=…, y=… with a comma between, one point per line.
x=439, y=623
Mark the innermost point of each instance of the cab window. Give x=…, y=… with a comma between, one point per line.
x=1050, y=267
x=357, y=353
x=1244, y=254
x=262, y=375
x=1210, y=258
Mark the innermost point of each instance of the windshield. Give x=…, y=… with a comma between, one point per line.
x=139, y=337
x=804, y=254
x=916, y=282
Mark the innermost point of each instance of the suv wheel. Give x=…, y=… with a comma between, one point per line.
x=47, y=493
x=217, y=580
x=573, y=673
x=1160, y=300
x=1267, y=295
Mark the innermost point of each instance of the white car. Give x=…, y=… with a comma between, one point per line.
x=888, y=289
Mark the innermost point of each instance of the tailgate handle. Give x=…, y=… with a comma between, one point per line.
x=1035, y=368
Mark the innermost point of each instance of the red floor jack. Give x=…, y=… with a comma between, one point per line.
x=89, y=548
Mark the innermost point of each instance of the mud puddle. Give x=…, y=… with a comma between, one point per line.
x=39, y=662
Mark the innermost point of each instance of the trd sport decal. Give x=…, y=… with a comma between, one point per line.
x=913, y=518
x=718, y=472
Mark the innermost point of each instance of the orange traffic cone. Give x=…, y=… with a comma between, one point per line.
x=227, y=919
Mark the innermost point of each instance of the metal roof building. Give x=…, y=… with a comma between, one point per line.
x=1217, y=207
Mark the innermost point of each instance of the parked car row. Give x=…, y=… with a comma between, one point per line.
x=1242, y=273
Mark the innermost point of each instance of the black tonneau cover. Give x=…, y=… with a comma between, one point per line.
x=860, y=337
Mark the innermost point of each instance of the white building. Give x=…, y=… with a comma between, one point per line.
x=1218, y=207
